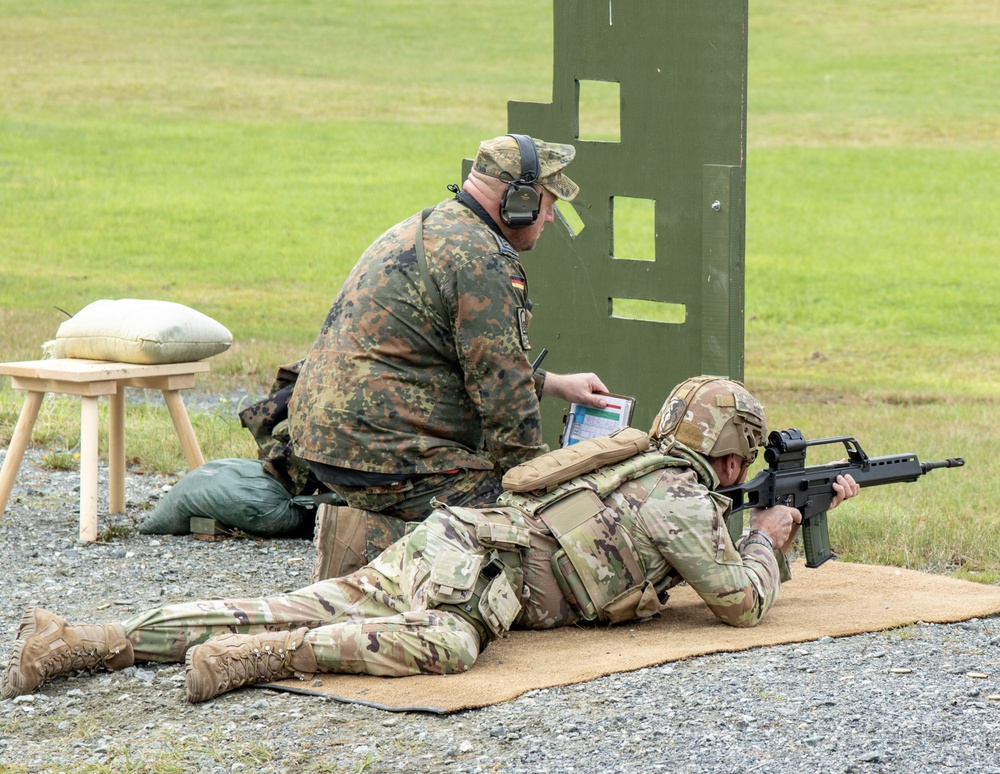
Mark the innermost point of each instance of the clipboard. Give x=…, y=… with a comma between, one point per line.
x=583, y=422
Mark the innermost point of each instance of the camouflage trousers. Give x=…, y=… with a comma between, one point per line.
x=379, y=620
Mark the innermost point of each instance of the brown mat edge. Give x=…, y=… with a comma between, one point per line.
x=362, y=702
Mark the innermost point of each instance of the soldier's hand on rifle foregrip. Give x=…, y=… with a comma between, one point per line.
x=845, y=488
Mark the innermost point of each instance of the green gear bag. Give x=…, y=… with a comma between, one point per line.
x=238, y=494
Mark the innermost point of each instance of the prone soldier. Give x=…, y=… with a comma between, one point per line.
x=572, y=544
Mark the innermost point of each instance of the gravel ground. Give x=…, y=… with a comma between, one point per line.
x=924, y=698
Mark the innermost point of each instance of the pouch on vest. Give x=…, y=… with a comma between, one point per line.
x=453, y=577
x=499, y=528
x=545, y=472
x=572, y=587
x=597, y=546
x=604, y=481
x=638, y=602
x=506, y=537
x=499, y=606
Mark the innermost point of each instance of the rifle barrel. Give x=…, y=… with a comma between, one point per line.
x=951, y=462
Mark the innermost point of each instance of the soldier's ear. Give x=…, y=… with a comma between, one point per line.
x=729, y=469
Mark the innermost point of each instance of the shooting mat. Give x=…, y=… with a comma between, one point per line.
x=835, y=600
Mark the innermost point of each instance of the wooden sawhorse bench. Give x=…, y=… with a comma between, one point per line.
x=90, y=379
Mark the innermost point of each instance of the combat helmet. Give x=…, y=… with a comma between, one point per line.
x=713, y=416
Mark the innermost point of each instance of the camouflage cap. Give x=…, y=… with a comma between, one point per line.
x=501, y=155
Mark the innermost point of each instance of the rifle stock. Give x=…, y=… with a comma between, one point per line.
x=787, y=481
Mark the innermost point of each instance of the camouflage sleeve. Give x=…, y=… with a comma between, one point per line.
x=490, y=329
x=687, y=525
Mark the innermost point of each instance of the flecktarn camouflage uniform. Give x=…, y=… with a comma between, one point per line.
x=418, y=386
x=435, y=598
x=421, y=374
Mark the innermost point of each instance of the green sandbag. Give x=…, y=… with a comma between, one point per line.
x=235, y=492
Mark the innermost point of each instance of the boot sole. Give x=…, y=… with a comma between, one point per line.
x=189, y=671
x=12, y=684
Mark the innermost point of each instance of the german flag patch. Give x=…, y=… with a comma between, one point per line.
x=517, y=283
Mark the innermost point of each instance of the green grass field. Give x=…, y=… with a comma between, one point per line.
x=238, y=157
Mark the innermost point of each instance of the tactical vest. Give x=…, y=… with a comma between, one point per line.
x=597, y=567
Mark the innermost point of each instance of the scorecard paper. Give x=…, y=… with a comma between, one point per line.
x=583, y=422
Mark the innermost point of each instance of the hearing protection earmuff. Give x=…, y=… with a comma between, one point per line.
x=521, y=203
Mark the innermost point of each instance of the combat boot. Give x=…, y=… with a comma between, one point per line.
x=230, y=661
x=47, y=647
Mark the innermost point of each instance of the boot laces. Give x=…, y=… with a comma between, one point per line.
x=256, y=666
x=70, y=659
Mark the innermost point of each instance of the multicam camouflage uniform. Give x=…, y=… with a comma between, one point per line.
x=420, y=368
x=433, y=600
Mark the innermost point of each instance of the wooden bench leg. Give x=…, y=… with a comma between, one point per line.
x=18, y=443
x=116, y=451
x=88, y=469
x=182, y=424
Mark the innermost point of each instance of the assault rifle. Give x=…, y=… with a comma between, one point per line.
x=787, y=481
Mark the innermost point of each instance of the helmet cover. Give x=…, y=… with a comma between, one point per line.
x=713, y=416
